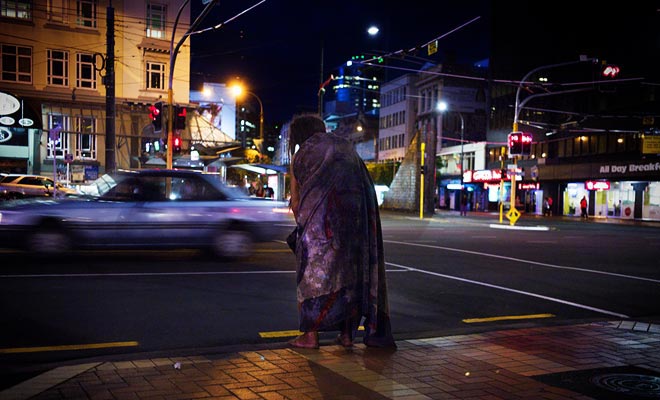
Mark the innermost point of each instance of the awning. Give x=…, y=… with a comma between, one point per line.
x=264, y=169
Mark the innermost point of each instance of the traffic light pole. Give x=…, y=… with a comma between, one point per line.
x=173, y=53
x=513, y=213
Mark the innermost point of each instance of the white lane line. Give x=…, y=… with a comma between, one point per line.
x=111, y=274
x=553, y=299
x=520, y=260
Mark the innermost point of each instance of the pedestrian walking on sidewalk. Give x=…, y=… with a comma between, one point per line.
x=464, y=202
x=583, y=208
x=340, y=267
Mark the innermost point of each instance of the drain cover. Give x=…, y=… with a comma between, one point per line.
x=617, y=383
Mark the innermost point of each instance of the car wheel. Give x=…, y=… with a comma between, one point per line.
x=232, y=243
x=49, y=241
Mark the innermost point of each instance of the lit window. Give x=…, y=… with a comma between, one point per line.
x=19, y=9
x=58, y=68
x=156, y=17
x=61, y=146
x=85, y=71
x=86, y=143
x=15, y=63
x=155, y=75
x=86, y=13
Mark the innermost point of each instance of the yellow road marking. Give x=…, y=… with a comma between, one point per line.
x=68, y=347
x=276, y=334
x=507, y=317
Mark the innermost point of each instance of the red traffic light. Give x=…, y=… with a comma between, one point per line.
x=610, y=71
x=520, y=143
x=156, y=115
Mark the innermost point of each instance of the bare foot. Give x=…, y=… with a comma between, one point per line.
x=308, y=340
x=344, y=339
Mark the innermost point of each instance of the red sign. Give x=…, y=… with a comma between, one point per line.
x=528, y=186
x=597, y=185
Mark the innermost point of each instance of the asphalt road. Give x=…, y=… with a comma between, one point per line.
x=446, y=275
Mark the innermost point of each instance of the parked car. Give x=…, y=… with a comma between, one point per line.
x=20, y=186
x=162, y=209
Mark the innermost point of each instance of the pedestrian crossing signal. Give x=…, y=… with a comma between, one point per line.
x=520, y=144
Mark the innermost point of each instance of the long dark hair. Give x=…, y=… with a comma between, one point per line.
x=303, y=127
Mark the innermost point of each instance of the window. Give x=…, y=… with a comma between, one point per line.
x=19, y=9
x=57, y=11
x=85, y=71
x=16, y=63
x=155, y=75
x=86, y=141
x=86, y=13
x=156, y=17
x=62, y=143
x=58, y=68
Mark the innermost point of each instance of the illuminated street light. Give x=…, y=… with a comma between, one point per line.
x=238, y=90
x=373, y=30
x=442, y=107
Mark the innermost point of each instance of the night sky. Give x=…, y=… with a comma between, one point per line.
x=276, y=48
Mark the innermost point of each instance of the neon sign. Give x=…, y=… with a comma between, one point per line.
x=597, y=185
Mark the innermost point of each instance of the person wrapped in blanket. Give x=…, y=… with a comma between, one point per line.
x=338, y=240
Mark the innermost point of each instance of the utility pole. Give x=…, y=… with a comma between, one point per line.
x=110, y=142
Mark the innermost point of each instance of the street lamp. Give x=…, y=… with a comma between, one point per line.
x=237, y=91
x=442, y=107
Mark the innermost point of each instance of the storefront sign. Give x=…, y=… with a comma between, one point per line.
x=651, y=145
x=597, y=185
x=484, y=175
x=491, y=175
x=630, y=168
x=8, y=104
x=15, y=114
x=528, y=186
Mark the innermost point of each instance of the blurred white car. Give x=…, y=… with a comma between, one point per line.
x=162, y=209
x=20, y=186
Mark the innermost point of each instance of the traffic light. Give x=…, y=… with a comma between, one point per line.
x=180, y=118
x=610, y=71
x=520, y=144
x=526, y=144
x=515, y=143
x=176, y=143
x=422, y=169
x=156, y=115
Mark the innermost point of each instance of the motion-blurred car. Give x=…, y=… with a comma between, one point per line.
x=164, y=209
x=20, y=186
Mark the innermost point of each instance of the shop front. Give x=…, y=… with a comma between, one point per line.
x=20, y=129
x=628, y=190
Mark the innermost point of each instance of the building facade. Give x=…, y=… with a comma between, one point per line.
x=55, y=63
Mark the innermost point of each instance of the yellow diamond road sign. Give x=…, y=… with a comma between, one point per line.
x=513, y=215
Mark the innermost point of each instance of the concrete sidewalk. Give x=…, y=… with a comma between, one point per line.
x=608, y=360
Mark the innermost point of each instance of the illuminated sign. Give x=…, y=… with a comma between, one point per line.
x=490, y=175
x=15, y=114
x=597, y=185
x=8, y=104
x=528, y=186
